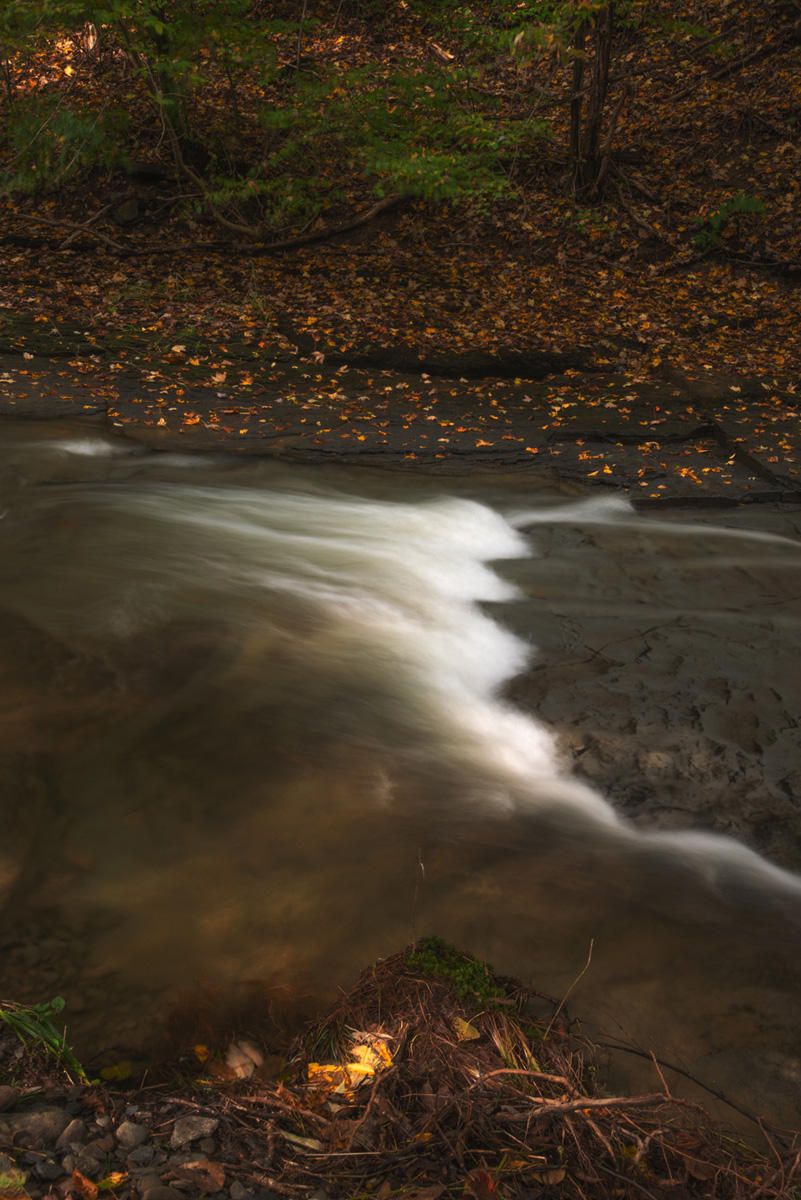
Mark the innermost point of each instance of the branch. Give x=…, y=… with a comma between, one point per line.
x=76, y=229
x=730, y=68
x=323, y=235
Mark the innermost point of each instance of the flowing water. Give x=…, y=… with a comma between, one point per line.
x=261, y=721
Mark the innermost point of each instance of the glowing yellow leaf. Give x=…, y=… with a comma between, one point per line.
x=464, y=1031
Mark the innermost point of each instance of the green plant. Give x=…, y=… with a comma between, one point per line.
x=33, y=1025
x=468, y=976
x=713, y=224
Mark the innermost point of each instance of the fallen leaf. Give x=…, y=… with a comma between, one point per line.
x=464, y=1031
x=207, y=1176
x=303, y=1143
x=83, y=1186
x=118, y=1071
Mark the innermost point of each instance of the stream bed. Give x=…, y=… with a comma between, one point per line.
x=262, y=723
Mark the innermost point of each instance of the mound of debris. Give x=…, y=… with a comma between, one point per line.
x=434, y=1077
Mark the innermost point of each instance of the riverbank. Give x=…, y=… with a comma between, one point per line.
x=432, y=1077
x=696, y=438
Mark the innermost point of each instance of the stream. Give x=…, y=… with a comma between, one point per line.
x=262, y=723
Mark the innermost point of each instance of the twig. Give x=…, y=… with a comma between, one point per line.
x=101, y=237
x=724, y=1099
x=552, y=1108
x=82, y=228
x=576, y=981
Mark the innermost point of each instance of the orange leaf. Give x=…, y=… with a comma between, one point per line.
x=83, y=1186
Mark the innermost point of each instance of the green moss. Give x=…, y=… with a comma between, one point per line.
x=468, y=976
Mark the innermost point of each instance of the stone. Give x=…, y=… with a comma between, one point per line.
x=207, y=1145
x=74, y=1134
x=48, y=1169
x=130, y=1135
x=89, y=1160
x=190, y=1129
x=238, y=1191
x=8, y=1096
x=160, y=1191
x=141, y=1156
x=37, y=1127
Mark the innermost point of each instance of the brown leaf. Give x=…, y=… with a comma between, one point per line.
x=205, y=1175
x=83, y=1186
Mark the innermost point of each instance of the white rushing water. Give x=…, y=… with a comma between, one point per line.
x=295, y=692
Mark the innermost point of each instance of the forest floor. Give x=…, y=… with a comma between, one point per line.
x=601, y=342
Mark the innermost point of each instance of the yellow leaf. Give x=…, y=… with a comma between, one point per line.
x=464, y=1031
x=119, y=1071
x=201, y=1052
x=12, y=1185
x=111, y=1181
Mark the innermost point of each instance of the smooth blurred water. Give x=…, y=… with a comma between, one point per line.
x=243, y=702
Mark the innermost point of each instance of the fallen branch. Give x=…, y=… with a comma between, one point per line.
x=331, y=231
x=78, y=229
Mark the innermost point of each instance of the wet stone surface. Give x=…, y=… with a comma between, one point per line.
x=672, y=437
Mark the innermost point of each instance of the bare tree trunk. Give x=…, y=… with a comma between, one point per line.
x=576, y=97
x=586, y=120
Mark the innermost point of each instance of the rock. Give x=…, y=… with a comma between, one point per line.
x=48, y=1169
x=130, y=1135
x=207, y=1145
x=190, y=1129
x=38, y=1127
x=142, y=1156
x=160, y=1191
x=74, y=1134
x=238, y=1191
x=8, y=1096
x=89, y=1160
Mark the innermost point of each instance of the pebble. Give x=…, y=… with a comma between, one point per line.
x=160, y=1191
x=238, y=1191
x=74, y=1134
x=141, y=1156
x=8, y=1096
x=89, y=1160
x=48, y=1169
x=130, y=1135
x=190, y=1129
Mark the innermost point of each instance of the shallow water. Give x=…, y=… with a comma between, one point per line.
x=264, y=722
